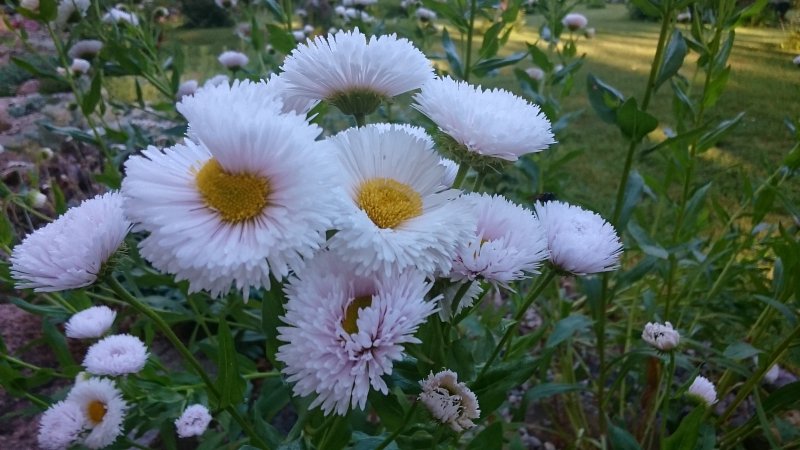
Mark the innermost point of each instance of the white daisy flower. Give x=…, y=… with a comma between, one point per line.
x=662, y=337
x=450, y=402
x=535, y=73
x=344, y=331
x=398, y=216
x=253, y=196
x=85, y=49
x=703, y=391
x=353, y=73
x=796, y=60
x=67, y=9
x=575, y=21
x=80, y=66
x=299, y=35
x=71, y=251
x=60, y=426
x=233, y=60
x=509, y=243
x=580, y=241
x=116, y=355
x=103, y=408
x=492, y=123
x=115, y=15
x=90, y=323
x=188, y=87
x=217, y=80
x=193, y=422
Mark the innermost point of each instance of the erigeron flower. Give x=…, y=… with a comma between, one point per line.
x=301, y=12
x=250, y=194
x=344, y=331
x=425, y=14
x=398, y=215
x=188, y=87
x=450, y=402
x=483, y=123
x=193, y=422
x=580, y=241
x=115, y=15
x=509, y=242
x=276, y=85
x=85, y=49
x=60, y=426
x=535, y=73
x=796, y=60
x=90, y=323
x=451, y=168
x=771, y=376
x=299, y=35
x=308, y=29
x=355, y=73
x=80, y=66
x=340, y=10
x=662, y=337
x=575, y=21
x=103, y=409
x=120, y=354
x=217, y=80
x=233, y=60
x=71, y=252
x=589, y=33
x=703, y=391
x=30, y=5
x=684, y=16
x=352, y=13
x=69, y=9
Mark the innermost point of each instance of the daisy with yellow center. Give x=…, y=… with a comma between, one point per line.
x=344, y=331
x=103, y=409
x=250, y=194
x=400, y=215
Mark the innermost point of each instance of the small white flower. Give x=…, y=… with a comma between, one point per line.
x=120, y=354
x=575, y=21
x=535, y=73
x=80, y=66
x=796, y=60
x=115, y=15
x=90, y=323
x=662, y=337
x=87, y=48
x=103, y=409
x=425, y=14
x=340, y=11
x=30, y=5
x=450, y=402
x=233, y=60
x=352, y=13
x=509, y=242
x=36, y=199
x=590, y=33
x=70, y=252
x=217, y=80
x=46, y=153
x=68, y=8
x=580, y=241
x=703, y=391
x=493, y=123
x=299, y=35
x=60, y=426
x=193, y=422
x=300, y=12
x=188, y=87
x=308, y=29
x=344, y=331
x=772, y=374
x=224, y=4
x=684, y=16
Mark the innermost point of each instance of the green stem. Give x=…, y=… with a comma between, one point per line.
x=665, y=401
x=399, y=429
x=454, y=308
x=361, y=119
x=479, y=181
x=460, y=175
x=468, y=56
x=545, y=280
x=187, y=355
x=22, y=363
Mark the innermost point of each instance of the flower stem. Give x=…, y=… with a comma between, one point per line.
x=361, y=119
x=399, y=429
x=665, y=401
x=468, y=56
x=463, y=168
x=479, y=181
x=544, y=281
x=187, y=355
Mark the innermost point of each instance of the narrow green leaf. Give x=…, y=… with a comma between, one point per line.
x=487, y=65
x=711, y=137
x=545, y=390
x=740, y=350
x=271, y=311
x=540, y=58
x=491, y=44
x=621, y=439
x=673, y=58
x=280, y=39
x=645, y=242
x=633, y=194
x=230, y=383
x=649, y=7
x=256, y=35
x=604, y=99
x=688, y=432
x=489, y=439
x=566, y=328
x=48, y=10
x=92, y=97
x=716, y=87
x=6, y=230
x=452, y=54
x=633, y=122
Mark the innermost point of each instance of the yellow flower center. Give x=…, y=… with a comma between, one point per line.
x=387, y=202
x=350, y=320
x=97, y=410
x=237, y=197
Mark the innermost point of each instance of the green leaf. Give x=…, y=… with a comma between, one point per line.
x=48, y=10
x=604, y=99
x=713, y=136
x=230, y=383
x=783, y=398
x=487, y=65
x=275, y=8
x=452, y=54
x=388, y=409
x=6, y=231
x=363, y=441
x=633, y=122
x=740, y=350
x=621, y=439
x=489, y=439
x=256, y=35
x=271, y=310
x=92, y=97
x=280, y=39
x=566, y=328
x=673, y=58
x=688, y=432
x=716, y=87
x=30, y=68
x=545, y=390
x=648, y=7
x=646, y=244
x=491, y=44
x=633, y=194
x=540, y=58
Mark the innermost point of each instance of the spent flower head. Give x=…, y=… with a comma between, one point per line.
x=662, y=337
x=450, y=402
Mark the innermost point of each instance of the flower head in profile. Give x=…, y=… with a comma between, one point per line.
x=482, y=125
x=575, y=21
x=344, y=331
x=355, y=73
x=450, y=402
x=86, y=49
x=115, y=355
x=80, y=66
x=398, y=216
x=662, y=337
x=60, y=426
x=115, y=15
x=508, y=244
x=703, y=391
x=72, y=251
x=217, y=80
x=30, y=5
x=233, y=60
x=535, y=73
x=580, y=241
x=193, y=422
x=251, y=193
x=69, y=10
x=188, y=87
x=103, y=409
x=90, y=323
